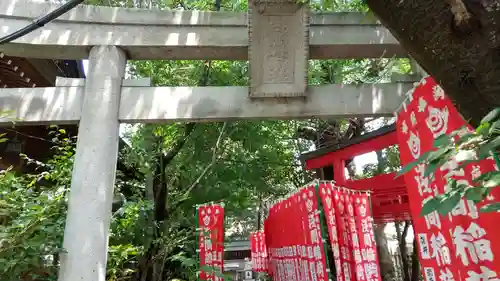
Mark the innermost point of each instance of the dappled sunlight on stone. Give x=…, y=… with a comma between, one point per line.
x=150, y=104
x=33, y=105
x=155, y=34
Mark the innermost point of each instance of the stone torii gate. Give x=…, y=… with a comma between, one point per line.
x=277, y=37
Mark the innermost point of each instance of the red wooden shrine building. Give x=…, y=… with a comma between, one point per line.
x=389, y=195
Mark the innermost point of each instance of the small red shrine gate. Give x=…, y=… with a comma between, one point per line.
x=389, y=194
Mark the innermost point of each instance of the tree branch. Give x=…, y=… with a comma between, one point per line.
x=170, y=155
x=404, y=252
x=215, y=151
x=405, y=233
x=159, y=181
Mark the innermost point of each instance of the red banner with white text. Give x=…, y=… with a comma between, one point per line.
x=350, y=227
x=294, y=239
x=327, y=192
x=368, y=266
x=258, y=251
x=463, y=245
x=211, y=240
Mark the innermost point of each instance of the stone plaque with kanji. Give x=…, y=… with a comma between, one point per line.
x=278, y=49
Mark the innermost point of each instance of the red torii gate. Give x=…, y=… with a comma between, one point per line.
x=389, y=194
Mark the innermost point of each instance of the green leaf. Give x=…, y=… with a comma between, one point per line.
x=491, y=145
x=408, y=167
x=469, y=137
x=452, y=184
x=476, y=194
x=437, y=154
x=494, y=127
x=492, y=116
x=430, y=206
x=449, y=202
x=442, y=140
x=492, y=181
x=485, y=176
x=432, y=166
x=490, y=208
x=483, y=129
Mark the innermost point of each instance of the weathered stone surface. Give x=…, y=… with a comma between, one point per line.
x=278, y=48
x=94, y=169
x=63, y=105
x=80, y=82
x=179, y=35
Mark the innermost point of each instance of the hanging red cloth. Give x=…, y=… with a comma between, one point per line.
x=463, y=245
x=258, y=251
x=294, y=238
x=211, y=239
x=365, y=255
x=350, y=227
x=327, y=192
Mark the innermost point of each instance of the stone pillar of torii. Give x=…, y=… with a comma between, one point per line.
x=277, y=37
x=94, y=169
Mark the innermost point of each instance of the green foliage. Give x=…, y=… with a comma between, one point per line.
x=120, y=261
x=465, y=147
x=4, y=115
x=32, y=211
x=387, y=162
x=387, y=158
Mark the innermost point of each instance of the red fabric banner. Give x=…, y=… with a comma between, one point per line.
x=303, y=231
x=294, y=239
x=350, y=227
x=344, y=247
x=258, y=251
x=365, y=249
x=462, y=245
x=326, y=193
x=352, y=235
x=316, y=249
x=211, y=239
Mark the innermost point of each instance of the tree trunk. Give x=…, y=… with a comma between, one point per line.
x=149, y=266
x=455, y=41
x=381, y=162
x=386, y=264
x=415, y=263
x=403, y=250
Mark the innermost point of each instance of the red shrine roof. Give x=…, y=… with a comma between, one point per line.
x=388, y=193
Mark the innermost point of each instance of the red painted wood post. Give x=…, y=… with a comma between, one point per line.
x=339, y=172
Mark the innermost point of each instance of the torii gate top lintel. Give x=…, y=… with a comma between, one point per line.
x=186, y=35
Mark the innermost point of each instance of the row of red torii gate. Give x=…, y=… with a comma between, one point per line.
x=337, y=217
